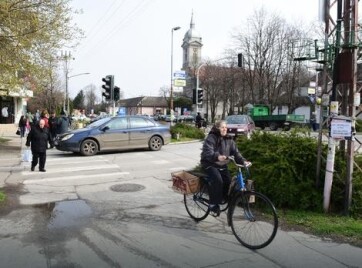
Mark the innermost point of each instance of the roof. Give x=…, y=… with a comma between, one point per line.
x=144, y=101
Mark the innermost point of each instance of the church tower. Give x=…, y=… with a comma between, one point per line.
x=191, y=45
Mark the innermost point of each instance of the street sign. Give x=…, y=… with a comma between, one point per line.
x=179, y=83
x=179, y=74
x=341, y=128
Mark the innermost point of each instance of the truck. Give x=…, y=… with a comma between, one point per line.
x=263, y=118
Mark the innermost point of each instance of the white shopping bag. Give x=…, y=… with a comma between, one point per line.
x=27, y=156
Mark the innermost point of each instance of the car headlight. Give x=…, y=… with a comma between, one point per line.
x=241, y=130
x=67, y=137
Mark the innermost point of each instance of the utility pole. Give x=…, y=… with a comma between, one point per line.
x=343, y=90
x=340, y=60
x=66, y=56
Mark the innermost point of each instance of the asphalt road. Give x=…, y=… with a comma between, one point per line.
x=118, y=210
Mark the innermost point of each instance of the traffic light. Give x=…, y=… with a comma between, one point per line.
x=116, y=93
x=240, y=60
x=194, y=96
x=200, y=95
x=108, y=86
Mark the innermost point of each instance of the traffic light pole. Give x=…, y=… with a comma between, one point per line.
x=197, y=86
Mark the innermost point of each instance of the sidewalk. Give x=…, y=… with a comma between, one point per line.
x=10, y=153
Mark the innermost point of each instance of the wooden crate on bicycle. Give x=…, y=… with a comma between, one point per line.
x=184, y=182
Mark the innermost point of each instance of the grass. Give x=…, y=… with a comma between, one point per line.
x=2, y=140
x=335, y=227
x=2, y=197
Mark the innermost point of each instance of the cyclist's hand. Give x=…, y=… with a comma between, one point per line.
x=222, y=157
x=247, y=163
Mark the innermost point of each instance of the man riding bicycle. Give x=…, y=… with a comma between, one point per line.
x=216, y=149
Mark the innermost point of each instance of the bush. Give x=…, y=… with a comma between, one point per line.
x=187, y=131
x=358, y=125
x=284, y=169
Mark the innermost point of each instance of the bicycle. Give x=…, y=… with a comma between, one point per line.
x=251, y=215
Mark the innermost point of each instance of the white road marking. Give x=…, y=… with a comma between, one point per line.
x=75, y=177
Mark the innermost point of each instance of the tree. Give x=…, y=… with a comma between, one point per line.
x=183, y=102
x=270, y=70
x=79, y=101
x=211, y=83
x=91, y=97
x=30, y=32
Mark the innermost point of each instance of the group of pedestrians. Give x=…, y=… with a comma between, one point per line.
x=41, y=130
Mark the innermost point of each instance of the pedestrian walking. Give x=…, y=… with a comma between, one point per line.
x=38, y=139
x=198, y=120
x=45, y=116
x=53, y=122
x=62, y=123
x=22, y=126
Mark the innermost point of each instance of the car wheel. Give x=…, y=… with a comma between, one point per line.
x=273, y=126
x=287, y=128
x=89, y=147
x=155, y=143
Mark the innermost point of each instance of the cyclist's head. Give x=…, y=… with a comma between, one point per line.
x=221, y=127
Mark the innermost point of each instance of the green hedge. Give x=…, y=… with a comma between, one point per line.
x=187, y=131
x=358, y=125
x=284, y=169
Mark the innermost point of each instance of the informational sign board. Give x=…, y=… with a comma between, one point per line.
x=179, y=83
x=121, y=111
x=179, y=74
x=341, y=129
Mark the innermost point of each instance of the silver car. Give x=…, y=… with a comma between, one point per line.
x=114, y=134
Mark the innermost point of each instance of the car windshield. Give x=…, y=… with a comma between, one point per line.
x=99, y=122
x=236, y=120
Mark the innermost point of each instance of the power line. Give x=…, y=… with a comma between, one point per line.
x=141, y=6
x=101, y=22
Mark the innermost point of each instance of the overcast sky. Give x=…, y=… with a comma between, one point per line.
x=131, y=39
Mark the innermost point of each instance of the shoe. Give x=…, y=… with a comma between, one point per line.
x=215, y=210
x=32, y=168
x=42, y=170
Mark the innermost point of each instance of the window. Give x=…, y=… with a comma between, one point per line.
x=118, y=123
x=137, y=122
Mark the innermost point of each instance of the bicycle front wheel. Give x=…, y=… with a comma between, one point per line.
x=253, y=219
x=197, y=204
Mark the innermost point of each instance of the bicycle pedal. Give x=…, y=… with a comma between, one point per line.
x=215, y=214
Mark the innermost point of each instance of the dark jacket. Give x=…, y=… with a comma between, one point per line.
x=38, y=138
x=62, y=124
x=215, y=145
x=22, y=121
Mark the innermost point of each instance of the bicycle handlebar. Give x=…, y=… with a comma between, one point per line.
x=247, y=164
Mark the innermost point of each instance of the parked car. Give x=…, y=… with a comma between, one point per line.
x=115, y=133
x=100, y=117
x=240, y=125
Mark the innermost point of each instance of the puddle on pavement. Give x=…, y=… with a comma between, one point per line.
x=65, y=214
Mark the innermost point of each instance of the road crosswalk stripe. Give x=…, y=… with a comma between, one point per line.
x=65, y=162
x=73, y=169
x=74, y=177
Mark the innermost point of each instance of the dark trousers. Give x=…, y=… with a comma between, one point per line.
x=22, y=132
x=42, y=158
x=219, y=182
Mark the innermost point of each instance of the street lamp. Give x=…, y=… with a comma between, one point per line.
x=171, y=92
x=66, y=86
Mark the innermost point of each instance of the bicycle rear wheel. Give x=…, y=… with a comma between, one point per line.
x=253, y=219
x=197, y=204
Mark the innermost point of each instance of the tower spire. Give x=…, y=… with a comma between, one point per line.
x=192, y=23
